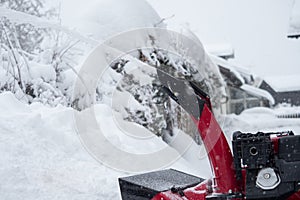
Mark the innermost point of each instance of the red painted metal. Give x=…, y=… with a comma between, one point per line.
x=275, y=141
x=198, y=192
x=219, y=153
x=295, y=196
x=168, y=195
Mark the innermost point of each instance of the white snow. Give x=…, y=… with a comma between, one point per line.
x=258, y=92
x=46, y=72
x=23, y=18
x=224, y=63
x=284, y=83
x=43, y=158
x=101, y=19
x=220, y=49
x=261, y=119
x=294, y=27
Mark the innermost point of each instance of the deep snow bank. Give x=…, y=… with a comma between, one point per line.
x=42, y=156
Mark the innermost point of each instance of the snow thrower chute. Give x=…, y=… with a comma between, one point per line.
x=262, y=166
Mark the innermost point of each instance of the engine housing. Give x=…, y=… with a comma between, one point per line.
x=268, y=164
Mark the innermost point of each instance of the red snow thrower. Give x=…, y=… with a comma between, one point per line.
x=262, y=165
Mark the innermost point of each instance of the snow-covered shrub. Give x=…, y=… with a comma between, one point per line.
x=150, y=106
x=27, y=36
x=38, y=64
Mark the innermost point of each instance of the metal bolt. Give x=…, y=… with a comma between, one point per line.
x=267, y=175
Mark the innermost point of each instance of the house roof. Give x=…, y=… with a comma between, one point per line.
x=258, y=92
x=284, y=83
x=234, y=73
x=222, y=50
x=225, y=64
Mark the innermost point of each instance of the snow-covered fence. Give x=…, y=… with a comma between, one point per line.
x=289, y=115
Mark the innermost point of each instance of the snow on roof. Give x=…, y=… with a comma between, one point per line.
x=224, y=49
x=284, y=83
x=224, y=63
x=244, y=71
x=294, y=26
x=258, y=92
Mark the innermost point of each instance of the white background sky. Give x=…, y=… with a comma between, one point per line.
x=255, y=28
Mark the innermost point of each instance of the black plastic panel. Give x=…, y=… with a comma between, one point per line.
x=289, y=148
x=146, y=186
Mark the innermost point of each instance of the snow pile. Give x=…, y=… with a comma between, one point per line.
x=262, y=119
x=43, y=158
x=103, y=19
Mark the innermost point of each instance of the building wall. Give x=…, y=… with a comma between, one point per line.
x=291, y=97
x=239, y=100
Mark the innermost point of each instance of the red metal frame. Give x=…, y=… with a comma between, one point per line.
x=219, y=153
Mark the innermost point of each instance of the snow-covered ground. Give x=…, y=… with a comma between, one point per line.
x=263, y=119
x=42, y=156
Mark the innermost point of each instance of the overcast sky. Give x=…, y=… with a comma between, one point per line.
x=255, y=28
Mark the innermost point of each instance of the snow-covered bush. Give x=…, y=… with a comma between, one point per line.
x=149, y=105
x=26, y=36
x=37, y=63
